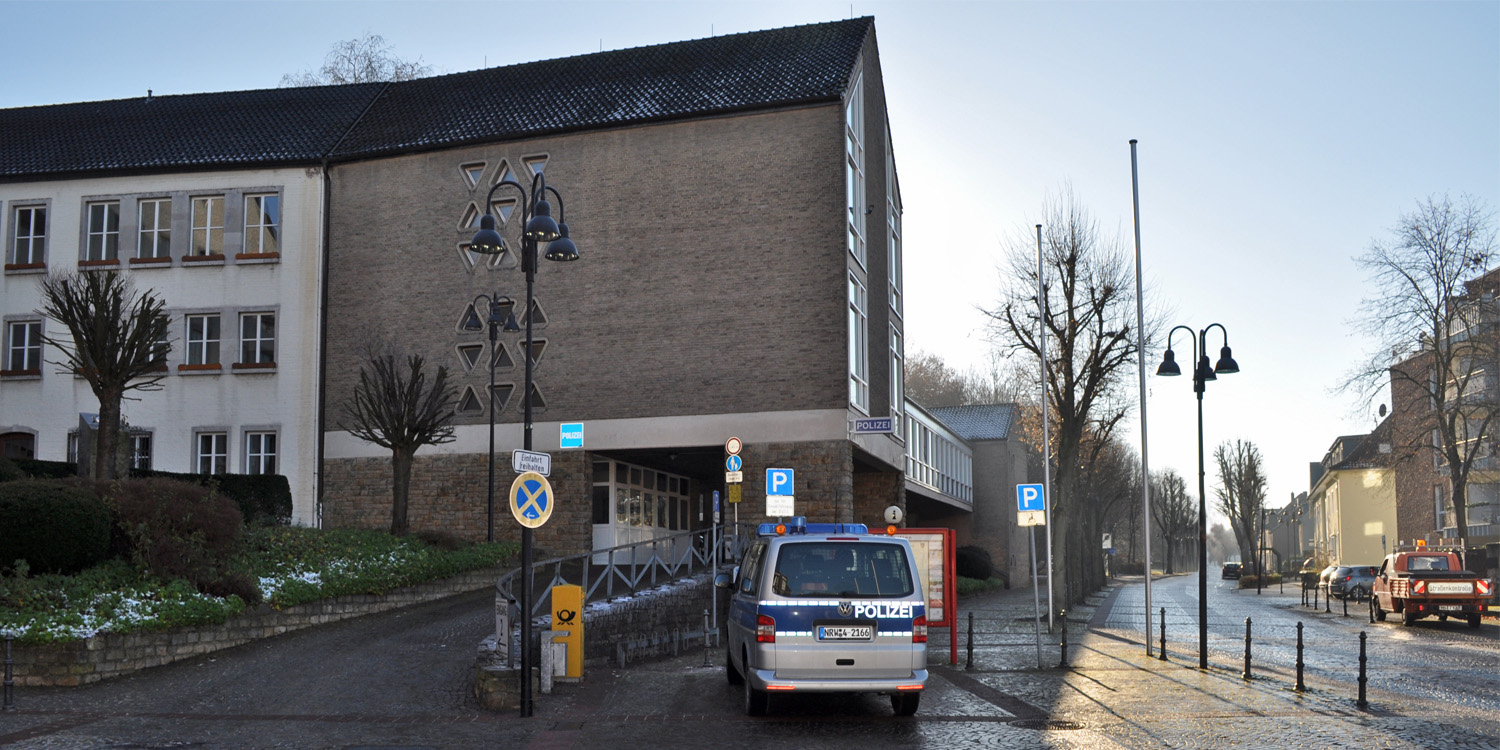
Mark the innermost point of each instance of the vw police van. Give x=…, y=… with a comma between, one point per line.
x=826, y=608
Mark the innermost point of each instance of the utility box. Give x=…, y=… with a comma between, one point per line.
x=567, y=617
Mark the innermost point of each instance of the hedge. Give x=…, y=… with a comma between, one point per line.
x=263, y=498
x=53, y=527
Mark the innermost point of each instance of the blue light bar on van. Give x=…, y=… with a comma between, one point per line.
x=799, y=525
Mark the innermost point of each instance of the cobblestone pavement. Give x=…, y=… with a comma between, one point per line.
x=400, y=680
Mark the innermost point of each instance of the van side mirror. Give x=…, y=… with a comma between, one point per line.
x=722, y=581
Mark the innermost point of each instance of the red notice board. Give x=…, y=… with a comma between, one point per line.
x=935, y=552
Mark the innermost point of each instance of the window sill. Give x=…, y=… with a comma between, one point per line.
x=149, y=262
x=23, y=268
x=21, y=374
x=106, y=263
x=253, y=367
x=253, y=258
x=203, y=260
x=209, y=369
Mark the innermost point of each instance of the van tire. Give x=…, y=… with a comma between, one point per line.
x=730, y=672
x=1377, y=609
x=905, y=704
x=1408, y=617
x=756, y=701
x=1474, y=620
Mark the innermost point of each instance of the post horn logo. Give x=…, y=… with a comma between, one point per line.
x=566, y=615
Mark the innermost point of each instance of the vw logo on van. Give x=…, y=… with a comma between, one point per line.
x=846, y=609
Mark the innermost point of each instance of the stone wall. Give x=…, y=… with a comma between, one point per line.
x=112, y=655
x=824, y=479
x=874, y=491
x=448, y=494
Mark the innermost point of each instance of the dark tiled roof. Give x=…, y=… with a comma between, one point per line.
x=980, y=422
x=238, y=128
x=683, y=79
x=710, y=76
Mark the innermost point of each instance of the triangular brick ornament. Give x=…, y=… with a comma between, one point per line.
x=538, y=315
x=473, y=172
x=504, y=173
x=537, y=347
x=502, y=359
x=469, y=257
x=503, y=392
x=469, y=403
x=471, y=217
x=535, y=164
x=469, y=321
x=537, y=400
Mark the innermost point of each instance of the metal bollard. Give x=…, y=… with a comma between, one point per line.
x=705, y=637
x=1372, y=609
x=1346, y=604
x=1163, y=650
x=1300, y=687
x=1362, y=703
x=1328, y=600
x=10, y=680
x=1246, y=673
x=969, y=662
x=1062, y=620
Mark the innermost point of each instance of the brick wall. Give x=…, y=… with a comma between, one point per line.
x=824, y=479
x=873, y=493
x=113, y=655
x=448, y=494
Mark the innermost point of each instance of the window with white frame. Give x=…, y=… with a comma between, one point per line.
x=23, y=347
x=262, y=224
x=859, y=346
x=898, y=376
x=202, y=340
x=154, y=238
x=72, y=446
x=258, y=338
x=211, y=453
x=260, y=453
x=893, y=226
x=30, y=223
x=208, y=225
x=103, y=238
x=854, y=163
x=140, y=450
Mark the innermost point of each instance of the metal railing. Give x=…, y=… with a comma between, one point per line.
x=628, y=568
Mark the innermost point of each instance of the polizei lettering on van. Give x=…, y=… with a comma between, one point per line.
x=883, y=610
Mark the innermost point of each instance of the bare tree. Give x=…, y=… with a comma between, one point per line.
x=394, y=408
x=117, y=342
x=1175, y=511
x=1241, y=492
x=931, y=382
x=1090, y=328
x=366, y=59
x=1434, y=304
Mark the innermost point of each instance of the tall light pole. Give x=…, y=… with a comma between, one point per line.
x=496, y=323
x=1202, y=373
x=539, y=227
x=1140, y=359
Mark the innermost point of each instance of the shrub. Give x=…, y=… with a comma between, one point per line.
x=263, y=499
x=46, y=469
x=178, y=530
x=974, y=562
x=53, y=527
x=446, y=541
x=9, y=472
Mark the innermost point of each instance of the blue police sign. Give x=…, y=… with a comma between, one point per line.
x=779, y=482
x=1029, y=497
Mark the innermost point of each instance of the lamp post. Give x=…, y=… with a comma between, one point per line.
x=538, y=227
x=496, y=323
x=1202, y=373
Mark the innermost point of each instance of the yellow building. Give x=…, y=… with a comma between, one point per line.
x=1353, y=500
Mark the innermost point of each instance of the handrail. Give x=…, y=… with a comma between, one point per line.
x=628, y=568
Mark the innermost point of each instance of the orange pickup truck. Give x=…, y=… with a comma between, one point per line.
x=1427, y=581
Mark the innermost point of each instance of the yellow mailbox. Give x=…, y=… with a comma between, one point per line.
x=567, y=615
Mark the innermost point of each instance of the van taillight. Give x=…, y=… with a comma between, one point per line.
x=919, y=629
x=765, y=629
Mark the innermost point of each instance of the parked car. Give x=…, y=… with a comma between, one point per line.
x=1324, y=577
x=1352, y=580
x=1231, y=570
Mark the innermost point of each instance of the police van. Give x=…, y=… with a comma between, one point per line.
x=826, y=608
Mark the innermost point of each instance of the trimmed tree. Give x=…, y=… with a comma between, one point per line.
x=393, y=407
x=117, y=342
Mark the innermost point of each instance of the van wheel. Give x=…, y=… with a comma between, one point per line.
x=730, y=672
x=1474, y=620
x=1442, y=618
x=1408, y=617
x=905, y=704
x=756, y=701
x=1377, y=609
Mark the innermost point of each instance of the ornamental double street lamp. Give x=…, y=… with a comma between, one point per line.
x=1202, y=373
x=539, y=227
x=502, y=317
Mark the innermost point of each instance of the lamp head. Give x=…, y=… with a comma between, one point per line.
x=562, y=248
x=1226, y=364
x=1205, y=373
x=541, y=227
x=1168, y=366
x=487, y=241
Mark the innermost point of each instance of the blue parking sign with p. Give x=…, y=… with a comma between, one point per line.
x=1030, y=497
x=779, y=482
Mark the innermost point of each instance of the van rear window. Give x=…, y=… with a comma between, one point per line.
x=842, y=570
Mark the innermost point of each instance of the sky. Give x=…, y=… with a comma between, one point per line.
x=1277, y=140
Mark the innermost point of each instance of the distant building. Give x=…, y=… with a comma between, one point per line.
x=1353, y=500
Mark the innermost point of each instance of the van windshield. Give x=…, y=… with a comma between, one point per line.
x=1427, y=562
x=834, y=570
